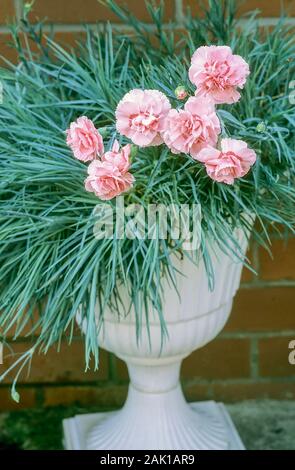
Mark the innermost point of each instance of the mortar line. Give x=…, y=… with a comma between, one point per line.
x=262, y=284
x=240, y=381
x=80, y=27
x=254, y=358
x=256, y=264
x=257, y=335
x=112, y=368
x=179, y=14
x=18, y=8
x=39, y=396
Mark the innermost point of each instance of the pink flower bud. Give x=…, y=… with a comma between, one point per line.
x=180, y=92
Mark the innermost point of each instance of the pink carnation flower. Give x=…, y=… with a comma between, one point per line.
x=217, y=73
x=84, y=139
x=141, y=116
x=120, y=159
x=193, y=128
x=109, y=176
x=232, y=161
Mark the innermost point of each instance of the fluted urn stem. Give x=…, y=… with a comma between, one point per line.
x=158, y=376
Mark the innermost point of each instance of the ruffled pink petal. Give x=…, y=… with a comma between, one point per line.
x=141, y=116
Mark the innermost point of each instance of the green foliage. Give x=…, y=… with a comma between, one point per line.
x=25, y=429
x=48, y=254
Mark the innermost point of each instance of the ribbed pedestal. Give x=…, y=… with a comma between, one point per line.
x=155, y=416
x=78, y=430
x=158, y=421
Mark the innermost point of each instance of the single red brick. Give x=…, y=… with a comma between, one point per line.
x=220, y=359
x=262, y=309
x=233, y=392
x=112, y=396
x=282, y=265
x=274, y=357
x=196, y=392
x=6, y=49
x=6, y=11
x=26, y=330
x=121, y=369
x=27, y=399
x=247, y=275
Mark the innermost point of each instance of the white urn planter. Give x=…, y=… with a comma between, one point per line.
x=156, y=414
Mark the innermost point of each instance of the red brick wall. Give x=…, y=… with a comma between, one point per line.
x=250, y=357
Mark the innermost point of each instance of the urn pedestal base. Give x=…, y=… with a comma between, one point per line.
x=155, y=416
x=78, y=429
